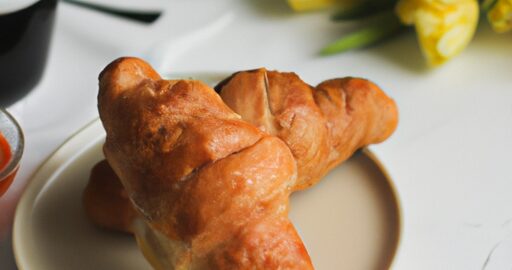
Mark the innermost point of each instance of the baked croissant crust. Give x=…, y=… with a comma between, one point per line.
x=211, y=189
x=106, y=201
x=323, y=126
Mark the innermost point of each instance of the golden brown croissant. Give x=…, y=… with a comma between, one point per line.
x=106, y=202
x=322, y=126
x=212, y=190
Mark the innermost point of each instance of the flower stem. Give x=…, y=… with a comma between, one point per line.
x=383, y=27
x=487, y=5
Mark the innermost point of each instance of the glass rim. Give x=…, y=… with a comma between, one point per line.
x=16, y=150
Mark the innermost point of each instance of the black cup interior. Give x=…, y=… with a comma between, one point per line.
x=25, y=38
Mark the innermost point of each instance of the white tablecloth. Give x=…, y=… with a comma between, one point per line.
x=449, y=157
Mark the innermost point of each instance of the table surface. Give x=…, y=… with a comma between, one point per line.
x=449, y=157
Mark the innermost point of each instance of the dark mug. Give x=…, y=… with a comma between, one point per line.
x=25, y=33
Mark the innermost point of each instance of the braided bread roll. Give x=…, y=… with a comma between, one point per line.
x=211, y=190
x=106, y=202
x=322, y=126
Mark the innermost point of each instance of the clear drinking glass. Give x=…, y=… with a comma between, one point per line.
x=11, y=149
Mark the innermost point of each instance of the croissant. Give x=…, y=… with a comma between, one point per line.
x=211, y=189
x=106, y=202
x=322, y=126
x=345, y=114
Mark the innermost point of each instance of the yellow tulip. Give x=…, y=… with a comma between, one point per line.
x=444, y=27
x=306, y=5
x=500, y=16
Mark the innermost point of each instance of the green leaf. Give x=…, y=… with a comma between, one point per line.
x=378, y=30
x=487, y=5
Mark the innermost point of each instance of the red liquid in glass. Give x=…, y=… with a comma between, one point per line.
x=5, y=157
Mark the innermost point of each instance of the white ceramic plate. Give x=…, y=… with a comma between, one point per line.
x=350, y=220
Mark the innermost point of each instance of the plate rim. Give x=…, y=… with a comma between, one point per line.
x=89, y=135
x=67, y=151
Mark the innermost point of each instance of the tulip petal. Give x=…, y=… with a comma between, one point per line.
x=444, y=27
x=500, y=16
